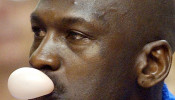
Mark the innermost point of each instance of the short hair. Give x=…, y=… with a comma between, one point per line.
x=167, y=18
x=159, y=16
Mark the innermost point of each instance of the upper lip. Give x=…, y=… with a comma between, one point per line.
x=47, y=72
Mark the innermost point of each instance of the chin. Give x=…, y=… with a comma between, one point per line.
x=52, y=96
x=57, y=94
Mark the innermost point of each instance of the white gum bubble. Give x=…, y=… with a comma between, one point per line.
x=28, y=83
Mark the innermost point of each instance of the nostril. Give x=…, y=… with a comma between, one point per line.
x=46, y=67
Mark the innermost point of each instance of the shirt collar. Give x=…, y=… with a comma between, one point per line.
x=166, y=94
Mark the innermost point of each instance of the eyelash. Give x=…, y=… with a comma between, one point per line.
x=76, y=35
x=38, y=31
x=72, y=35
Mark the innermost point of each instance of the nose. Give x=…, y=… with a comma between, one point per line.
x=44, y=61
x=45, y=56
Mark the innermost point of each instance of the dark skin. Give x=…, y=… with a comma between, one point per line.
x=98, y=50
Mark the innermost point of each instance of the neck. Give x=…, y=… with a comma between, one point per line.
x=153, y=93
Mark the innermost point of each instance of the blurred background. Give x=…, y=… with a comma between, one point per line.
x=16, y=39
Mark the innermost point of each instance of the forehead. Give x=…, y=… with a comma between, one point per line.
x=83, y=8
x=85, y=4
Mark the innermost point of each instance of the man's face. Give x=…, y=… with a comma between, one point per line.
x=85, y=47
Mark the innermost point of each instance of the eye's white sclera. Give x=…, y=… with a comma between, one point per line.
x=28, y=83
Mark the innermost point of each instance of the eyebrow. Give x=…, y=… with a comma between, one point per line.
x=65, y=21
x=73, y=20
x=69, y=19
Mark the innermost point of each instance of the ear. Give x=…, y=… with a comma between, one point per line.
x=153, y=64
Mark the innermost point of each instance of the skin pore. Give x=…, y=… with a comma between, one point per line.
x=102, y=49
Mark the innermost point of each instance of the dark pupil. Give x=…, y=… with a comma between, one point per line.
x=36, y=30
x=75, y=36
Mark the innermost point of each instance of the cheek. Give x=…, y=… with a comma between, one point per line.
x=85, y=52
x=92, y=52
x=87, y=64
x=83, y=79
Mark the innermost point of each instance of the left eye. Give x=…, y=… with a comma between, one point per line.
x=38, y=32
x=75, y=35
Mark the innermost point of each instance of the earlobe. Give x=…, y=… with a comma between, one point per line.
x=153, y=63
